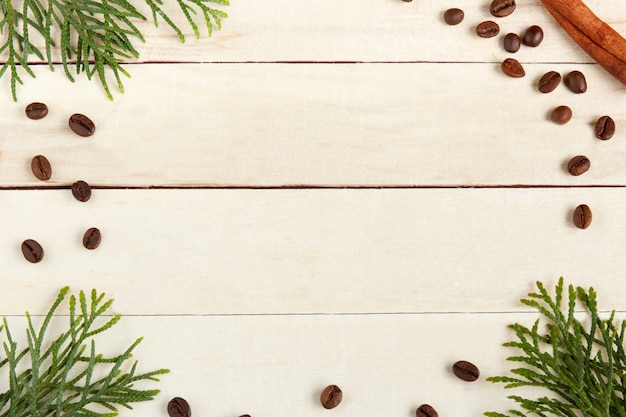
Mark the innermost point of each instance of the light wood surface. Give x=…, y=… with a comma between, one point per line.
x=328, y=192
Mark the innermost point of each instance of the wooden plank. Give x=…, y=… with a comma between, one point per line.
x=378, y=30
x=328, y=125
x=313, y=251
x=278, y=365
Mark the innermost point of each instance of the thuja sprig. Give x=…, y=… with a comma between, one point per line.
x=94, y=35
x=63, y=375
x=581, y=362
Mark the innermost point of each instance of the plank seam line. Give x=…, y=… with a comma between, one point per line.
x=322, y=62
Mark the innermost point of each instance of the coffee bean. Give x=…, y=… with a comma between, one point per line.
x=82, y=125
x=513, y=68
x=501, y=8
x=487, y=29
x=92, y=238
x=605, y=128
x=582, y=216
x=453, y=16
x=248, y=415
x=561, y=115
x=331, y=397
x=512, y=42
x=36, y=111
x=32, y=251
x=41, y=167
x=578, y=165
x=576, y=82
x=533, y=36
x=81, y=191
x=407, y=1
x=466, y=371
x=426, y=410
x=178, y=407
x=549, y=82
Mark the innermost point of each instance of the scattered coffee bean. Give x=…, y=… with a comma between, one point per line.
x=178, y=407
x=41, y=167
x=466, y=371
x=82, y=125
x=578, y=165
x=32, y=251
x=605, y=128
x=81, y=191
x=513, y=68
x=501, y=8
x=576, y=82
x=512, y=42
x=533, y=36
x=453, y=16
x=549, y=82
x=331, y=397
x=426, y=410
x=561, y=115
x=487, y=29
x=92, y=238
x=248, y=415
x=36, y=111
x=582, y=216
x=407, y=1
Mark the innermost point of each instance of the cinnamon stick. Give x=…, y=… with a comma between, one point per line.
x=598, y=39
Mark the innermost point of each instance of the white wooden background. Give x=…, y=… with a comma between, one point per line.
x=331, y=192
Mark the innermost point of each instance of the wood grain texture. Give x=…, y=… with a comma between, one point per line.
x=421, y=124
x=312, y=251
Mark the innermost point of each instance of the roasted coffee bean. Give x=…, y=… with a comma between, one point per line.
x=331, y=397
x=513, y=68
x=549, y=82
x=453, y=16
x=487, y=29
x=32, y=251
x=582, y=216
x=578, y=165
x=533, y=36
x=248, y=415
x=576, y=82
x=561, y=115
x=36, y=111
x=426, y=410
x=466, y=371
x=512, y=42
x=41, y=167
x=92, y=238
x=407, y=1
x=81, y=191
x=605, y=128
x=501, y=8
x=178, y=407
x=82, y=125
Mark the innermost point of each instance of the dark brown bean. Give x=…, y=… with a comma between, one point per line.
x=578, y=165
x=466, y=371
x=92, y=238
x=407, y=1
x=453, y=16
x=81, y=125
x=331, y=397
x=605, y=128
x=248, y=415
x=178, y=407
x=582, y=216
x=533, y=36
x=36, y=111
x=576, y=82
x=561, y=115
x=81, y=191
x=41, y=167
x=513, y=68
x=426, y=410
x=32, y=251
x=487, y=29
x=501, y=8
x=512, y=42
x=549, y=82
